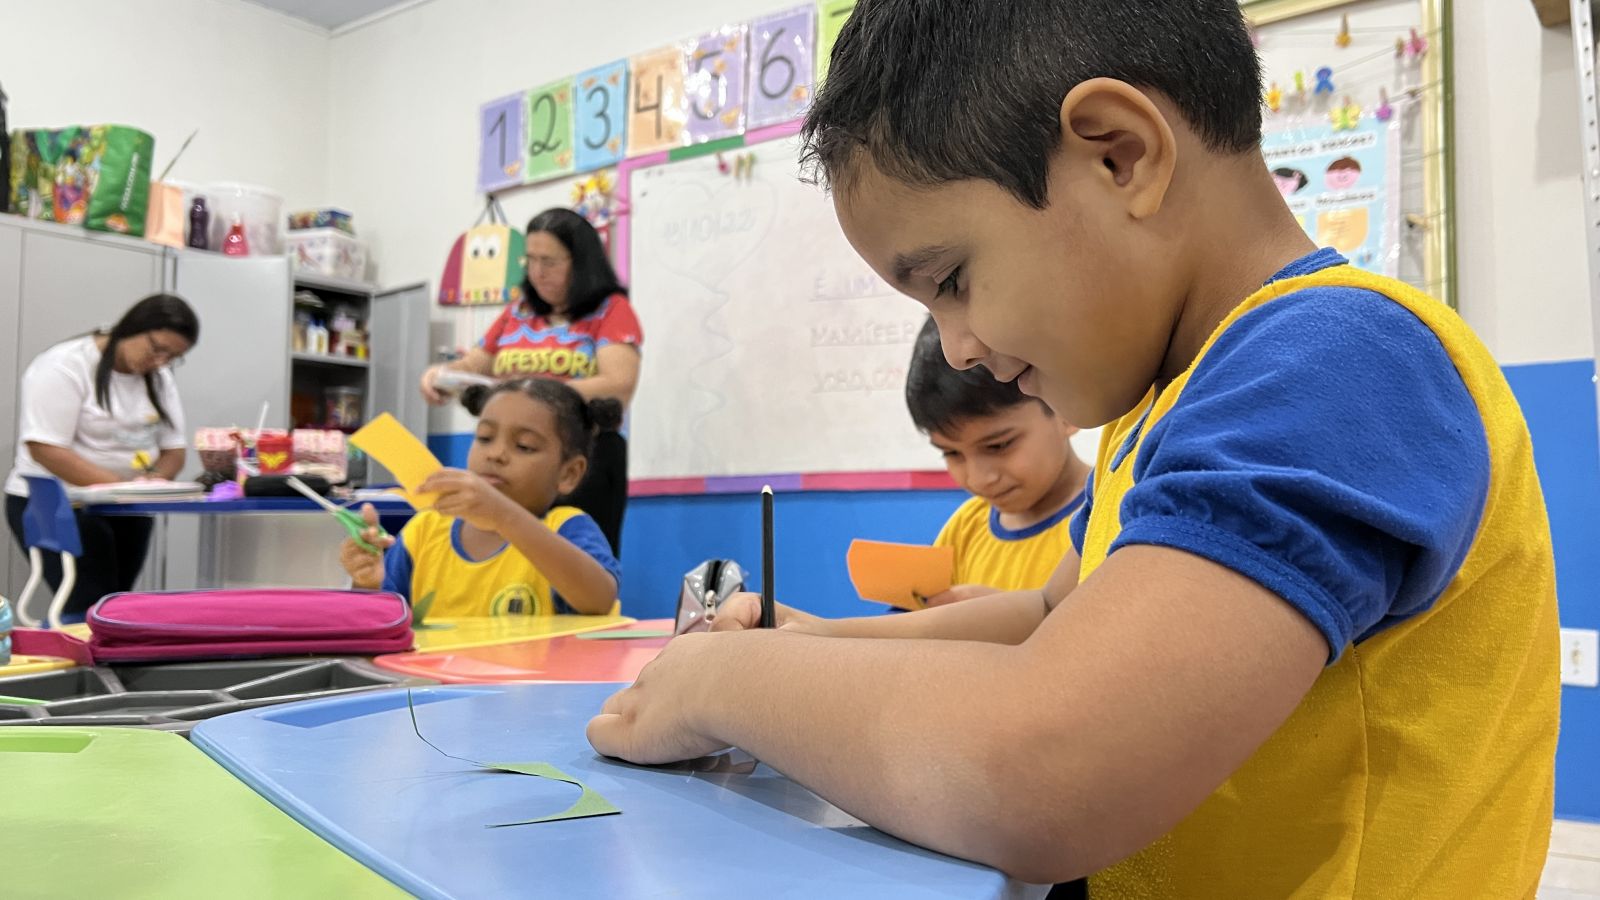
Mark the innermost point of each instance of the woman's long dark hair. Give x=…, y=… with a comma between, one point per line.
x=157, y=312
x=593, y=278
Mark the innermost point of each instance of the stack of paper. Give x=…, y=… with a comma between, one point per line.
x=137, y=492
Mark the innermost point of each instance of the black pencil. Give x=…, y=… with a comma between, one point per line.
x=769, y=616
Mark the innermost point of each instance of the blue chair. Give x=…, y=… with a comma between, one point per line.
x=48, y=524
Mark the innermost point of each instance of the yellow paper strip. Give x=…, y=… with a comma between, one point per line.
x=398, y=450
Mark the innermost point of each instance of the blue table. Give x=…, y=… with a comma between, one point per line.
x=255, y=541
x=352, y=771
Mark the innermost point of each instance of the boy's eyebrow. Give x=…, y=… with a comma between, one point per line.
x=906, y=263
x=996, y=435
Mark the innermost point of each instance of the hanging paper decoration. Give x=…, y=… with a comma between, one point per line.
x=1343, y=39
x=1384, y=112
x=1417, y=47
x=595, y=199
x=1274, y=97
x=1346, y=117
x=1324, y=81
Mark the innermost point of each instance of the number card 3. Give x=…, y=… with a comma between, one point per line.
x=550, y=150
x=714, y=84
x=600, y=129
x=502, y=130
x=780, y=66
x=658, y=111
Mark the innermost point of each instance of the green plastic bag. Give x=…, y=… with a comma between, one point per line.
x=97, y=177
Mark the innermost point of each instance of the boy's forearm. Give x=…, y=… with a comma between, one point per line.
x=932, y=773
x=995, y=619
x=574, y=574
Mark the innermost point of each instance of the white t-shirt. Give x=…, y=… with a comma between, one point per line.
x=58, y=407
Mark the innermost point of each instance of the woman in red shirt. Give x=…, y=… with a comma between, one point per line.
x=575, y=325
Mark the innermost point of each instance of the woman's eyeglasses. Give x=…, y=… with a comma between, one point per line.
x=163, y=354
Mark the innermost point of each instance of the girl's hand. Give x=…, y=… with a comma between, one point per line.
x=466, y=496
x=365, y=567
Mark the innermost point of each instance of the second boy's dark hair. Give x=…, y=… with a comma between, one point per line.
x=945, y=90
x=577, y=420
x=941, y=397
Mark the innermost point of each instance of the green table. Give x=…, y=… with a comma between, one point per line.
x=110, y=812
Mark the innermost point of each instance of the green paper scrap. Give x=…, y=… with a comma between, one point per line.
x=22, y=701
x=419, y=610
x=588, y=805
x=621, y=634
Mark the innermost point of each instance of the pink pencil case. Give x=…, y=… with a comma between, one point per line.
x=244, y=623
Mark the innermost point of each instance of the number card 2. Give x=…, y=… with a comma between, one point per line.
x=550, y=150
x=502, y=130
x=714, y=84
x=600, y=128
x=657, y=109
x=780, y=66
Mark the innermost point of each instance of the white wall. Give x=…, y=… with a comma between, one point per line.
x=1519, y=185
x=254, y=82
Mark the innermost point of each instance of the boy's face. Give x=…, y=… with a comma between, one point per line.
x=1011, y=458
x=1076, y=301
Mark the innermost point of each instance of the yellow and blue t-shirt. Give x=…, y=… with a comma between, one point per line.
x=427, y=558
x=1346, y=442
x=1008, y=559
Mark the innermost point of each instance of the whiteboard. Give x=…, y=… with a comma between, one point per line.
x=770, y=347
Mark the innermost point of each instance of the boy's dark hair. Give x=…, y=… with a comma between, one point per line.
x=577, y=420
x=941, y=397
x=593, y=278
x=945, y=90
x=157, y=312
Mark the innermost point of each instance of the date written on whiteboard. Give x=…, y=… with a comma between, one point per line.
x=708, y=227
x=859, y=381
x=869, y=334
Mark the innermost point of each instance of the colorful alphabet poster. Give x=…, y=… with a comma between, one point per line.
x=1343, y=186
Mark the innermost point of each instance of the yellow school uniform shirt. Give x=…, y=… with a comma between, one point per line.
x=1018, y=559
x=428, y=558
x=1420, y=765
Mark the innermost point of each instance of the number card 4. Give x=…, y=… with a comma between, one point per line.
x=600, y=130
x=550, y=150
x=780, y=66
x=658, y=110
x=502, y=130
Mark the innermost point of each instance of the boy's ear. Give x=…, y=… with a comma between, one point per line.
x=572, y=472
x=1117, y=131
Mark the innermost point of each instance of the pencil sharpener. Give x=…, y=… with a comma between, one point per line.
x=706, y=587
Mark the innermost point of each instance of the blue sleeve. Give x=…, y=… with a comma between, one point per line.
x=397, y=568
x=1079, y=526
x=1327, y=449
x=587, y=536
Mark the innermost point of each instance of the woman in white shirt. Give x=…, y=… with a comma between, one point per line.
x=103, y=408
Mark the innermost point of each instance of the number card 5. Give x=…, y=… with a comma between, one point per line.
x=550, y=150
x=714, y=84
x=600, y=129
x=658, y=110
x=780, y=66
x=501, y=132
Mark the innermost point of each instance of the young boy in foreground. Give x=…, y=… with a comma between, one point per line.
x=1308, y=644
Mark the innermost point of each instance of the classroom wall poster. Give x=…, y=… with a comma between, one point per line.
x=781, y=47
x=600, y=126
x=657, y=109
x=831, y=16
x=714, y=82
x=1343, y=186
x=549, y=142
x=502, y=132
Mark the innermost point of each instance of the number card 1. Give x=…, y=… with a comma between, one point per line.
x=657, y=110
x=831, y=16
x=600, y=129
x=502, y=129
x=550, y=151
x=714, y=83
x=780, y=66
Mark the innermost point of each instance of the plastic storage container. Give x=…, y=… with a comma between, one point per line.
x=327, y=217
x=259, y=209
x=330, y=252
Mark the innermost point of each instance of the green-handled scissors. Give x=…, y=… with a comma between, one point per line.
x=351, y=520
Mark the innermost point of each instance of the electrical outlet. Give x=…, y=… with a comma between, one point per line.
x=1580, y=652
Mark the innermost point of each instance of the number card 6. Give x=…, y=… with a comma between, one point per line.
x=780, y=66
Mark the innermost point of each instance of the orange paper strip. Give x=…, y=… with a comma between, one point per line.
x=901, y=575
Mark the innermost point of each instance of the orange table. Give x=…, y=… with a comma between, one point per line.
x=567, y=658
